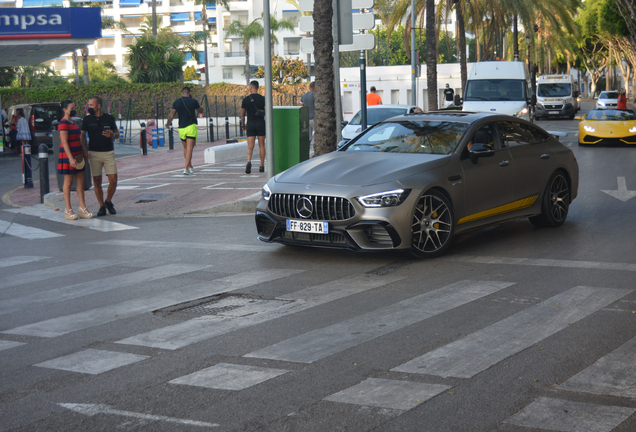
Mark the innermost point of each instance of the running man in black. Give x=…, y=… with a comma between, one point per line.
x=254, y=106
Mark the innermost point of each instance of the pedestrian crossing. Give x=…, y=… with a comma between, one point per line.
x=47, y=213
x=408, y=384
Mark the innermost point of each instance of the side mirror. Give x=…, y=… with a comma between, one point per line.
x=342, y=143
x=480, y=150
x=533, y=100
x=458, y=100
x=344, y=123
x=576, y=94
x=578, y=118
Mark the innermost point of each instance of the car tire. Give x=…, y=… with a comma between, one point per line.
x=555, y=202
x=433, y=225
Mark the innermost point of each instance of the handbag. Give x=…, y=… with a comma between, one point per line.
x=79, y=159
x=259, y=112
x=192, y=115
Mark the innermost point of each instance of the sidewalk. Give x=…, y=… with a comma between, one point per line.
x=154, y=185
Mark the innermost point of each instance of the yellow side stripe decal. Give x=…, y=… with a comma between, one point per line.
x=506, y=208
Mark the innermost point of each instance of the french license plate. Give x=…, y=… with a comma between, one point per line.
x=553, y=112
x=313, y=227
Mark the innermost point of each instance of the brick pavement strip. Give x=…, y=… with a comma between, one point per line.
x=154, y=185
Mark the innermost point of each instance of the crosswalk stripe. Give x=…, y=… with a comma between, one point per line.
x=225, y=376
x=477, y=352
x=97, y=224
x=9, y=344
x=83, y=289
x=318, y=344
x=92, y=361
x=391, y=394
x=25, y=232
x=17, y=260
x=199, y=329
x=610, y=375
x=569, y=416
x=53, y=272
x=545, y=262
x=184, y=245
x=83, y=320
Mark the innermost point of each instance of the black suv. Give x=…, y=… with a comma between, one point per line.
x=39, y=116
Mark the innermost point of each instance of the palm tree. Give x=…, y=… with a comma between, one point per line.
x=461, y=30
x=206, y=33
x=85, y=65
x=253, y=30
x=276, y=25
x=325, y=135
x=155, y=60
x=431, y=56
x=76, y=67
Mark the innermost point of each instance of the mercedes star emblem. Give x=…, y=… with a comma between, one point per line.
x=304, y=207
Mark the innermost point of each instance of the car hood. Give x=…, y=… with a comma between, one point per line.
x=351, y=131
x=500, y=107
x=611, y=128
x=360, y=168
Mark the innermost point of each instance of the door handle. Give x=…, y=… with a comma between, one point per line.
x=504, y=163
x=545, y=156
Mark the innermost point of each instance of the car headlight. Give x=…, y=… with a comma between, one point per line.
x=385, y=199
x=523, y=112
x=266, y=193
x=589, y=128
x=601, y=103
x=633, y=130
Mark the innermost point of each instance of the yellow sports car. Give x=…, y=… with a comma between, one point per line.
x=607, y=126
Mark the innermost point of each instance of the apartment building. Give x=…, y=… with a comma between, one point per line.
x=226, y=55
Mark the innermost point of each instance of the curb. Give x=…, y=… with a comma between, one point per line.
x=244, y=205
x=228, y=152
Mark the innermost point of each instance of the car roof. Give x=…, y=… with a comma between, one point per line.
x=459, y=116
x=373, y=107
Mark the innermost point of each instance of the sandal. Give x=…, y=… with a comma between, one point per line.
x=70, y=214
x=84, y=213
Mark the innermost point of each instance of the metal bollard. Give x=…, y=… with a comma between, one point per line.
x=27, y=175
x=241, y=131
x=121, y=134
x=144, y=144
x=160, y=136
x=170, y=138
x=154, y=138
x=211, y=129
x=227, y=128
x=43, y=154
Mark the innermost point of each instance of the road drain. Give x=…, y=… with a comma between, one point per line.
x=148, y=198
x=227, y=305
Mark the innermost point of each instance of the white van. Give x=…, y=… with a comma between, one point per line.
x=500, y=86
x=557, y=96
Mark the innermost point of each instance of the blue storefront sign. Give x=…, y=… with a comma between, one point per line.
x=50, y=23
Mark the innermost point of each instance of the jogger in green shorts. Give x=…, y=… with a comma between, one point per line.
x=185, y=107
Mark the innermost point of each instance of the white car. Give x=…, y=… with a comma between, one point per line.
x=375, y=114
x=607, y=99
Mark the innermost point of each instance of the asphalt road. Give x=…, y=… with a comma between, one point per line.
x=188, y=324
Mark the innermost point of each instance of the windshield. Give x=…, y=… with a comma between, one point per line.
x=554, y=90
x=377, y=115
x=47, y=113
x=495, y=90
x=611, y=115
x=425, y=137
x=608, y=95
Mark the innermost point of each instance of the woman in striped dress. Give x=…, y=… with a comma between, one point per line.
x=67, y=164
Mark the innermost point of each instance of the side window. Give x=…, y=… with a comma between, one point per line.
x=515, y=134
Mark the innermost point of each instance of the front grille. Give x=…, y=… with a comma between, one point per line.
x=324, y=208
x=333, y=238
x=378, y=235
x=609, y=141
x=553, y=107
x=264, y=226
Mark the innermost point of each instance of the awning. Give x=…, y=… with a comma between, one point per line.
x=182, y=16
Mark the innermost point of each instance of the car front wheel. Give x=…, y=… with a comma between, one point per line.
x=555, y=204
x=433, y=225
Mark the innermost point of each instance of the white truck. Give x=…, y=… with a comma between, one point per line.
x=500, y=86
x=557, y=96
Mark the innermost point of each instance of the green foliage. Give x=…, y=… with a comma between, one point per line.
x=7, y=74
x=156, y=60
x=293, y=70
x=104, y=71
x=190, y=74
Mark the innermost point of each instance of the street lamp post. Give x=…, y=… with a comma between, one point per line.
x=528, y=42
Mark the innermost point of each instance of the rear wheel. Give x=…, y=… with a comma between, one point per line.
x=433, y=225
x=555, y=203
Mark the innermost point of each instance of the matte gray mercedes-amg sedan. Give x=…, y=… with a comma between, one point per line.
x=413, y=181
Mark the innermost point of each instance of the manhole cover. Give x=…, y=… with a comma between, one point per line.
x=227, y=305
x=146, y=198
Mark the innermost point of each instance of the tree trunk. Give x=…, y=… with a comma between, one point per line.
x=248, y=71
x=431, y=59
x=325, y=134
x=76, y=67
x=516, y=39
x=85, y=65
x=204, y=18
x=462, y=45
x=154, y=18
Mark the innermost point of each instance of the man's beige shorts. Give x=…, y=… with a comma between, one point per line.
x=102, y=159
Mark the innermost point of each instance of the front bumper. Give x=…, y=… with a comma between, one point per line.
x=369, y=229
x=555, y=110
